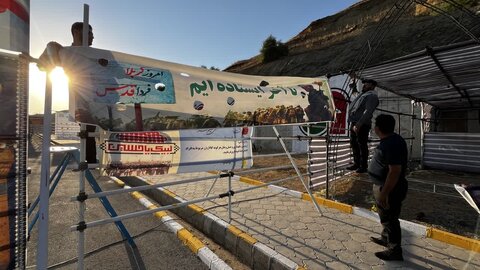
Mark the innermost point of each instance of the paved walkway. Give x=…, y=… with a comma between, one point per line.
x=336, y=240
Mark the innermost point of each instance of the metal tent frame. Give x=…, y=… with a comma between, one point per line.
x=445, y=77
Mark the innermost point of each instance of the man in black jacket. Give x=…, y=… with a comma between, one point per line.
x=360, y=119
x=387, y=171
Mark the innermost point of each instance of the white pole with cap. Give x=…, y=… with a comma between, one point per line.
x=42, y=245
x=81, y=204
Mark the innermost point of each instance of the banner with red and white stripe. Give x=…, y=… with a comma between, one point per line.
x=15, y=25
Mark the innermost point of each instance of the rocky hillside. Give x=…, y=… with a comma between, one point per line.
x=334, y=44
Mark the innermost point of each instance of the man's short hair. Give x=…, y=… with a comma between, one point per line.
x=78, y=26
x=385, y=123
x=370, y=81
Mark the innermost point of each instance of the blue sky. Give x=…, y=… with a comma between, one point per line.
x=193, y=32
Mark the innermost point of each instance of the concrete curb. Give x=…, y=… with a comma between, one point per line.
x=417, y=229
x=245, y=247
x=193, y=243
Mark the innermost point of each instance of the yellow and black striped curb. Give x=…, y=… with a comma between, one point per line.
x=245, y=247
x=192, y=242
x=418, y=229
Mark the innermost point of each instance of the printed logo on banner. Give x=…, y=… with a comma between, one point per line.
x=139, y=148
x=127, y=83
x=169, y=152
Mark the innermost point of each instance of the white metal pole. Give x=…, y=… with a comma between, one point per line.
x=83, y=129
x=86, y=25
x=297, y=170
x=81, y=204
x=229, y=198
x=42, y=245
x=211, y=188
x=147, y=187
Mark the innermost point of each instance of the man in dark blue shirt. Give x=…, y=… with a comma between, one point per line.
x=387, y=171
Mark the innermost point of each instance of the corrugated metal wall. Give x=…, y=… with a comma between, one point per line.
x=452, y=151
x=340, y=156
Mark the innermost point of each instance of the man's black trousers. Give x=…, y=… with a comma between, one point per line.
x=359, y=145
x=389, y=217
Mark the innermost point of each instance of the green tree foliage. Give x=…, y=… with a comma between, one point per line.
x=273, y=49
x=211, y=68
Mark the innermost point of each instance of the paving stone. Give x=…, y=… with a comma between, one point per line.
x=281, y=224
x=262, y=218
x=305, y=252
x=383, y=267
x=368, y=258
x=304, y=234
x=347, y=257
x=372, y=247
x=360, y=237
x=288, y=203
x=268, y=206
x=437, y=244
x=285, y=251
x=259, y=211
x=459, y=253
x=326, y=255
x=414, y=262
x=279, y=239
x=315, y=243
x=315, y=226
x=353, y=246
x=416, y=250
x=334, y=244
x=273, y=212
x=270, y=232
x=314, y=264
x=341, y=236
x=433, y=262
x=290, y=232
x=324, y=235
x=338, y=266
x=362, y=266
x=295, y=242
x=460, y=264
x=298, y=225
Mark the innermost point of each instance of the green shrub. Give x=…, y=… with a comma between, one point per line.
x=272, y=49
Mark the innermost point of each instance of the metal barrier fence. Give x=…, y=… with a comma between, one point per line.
x=452, y=151
x=329, y=157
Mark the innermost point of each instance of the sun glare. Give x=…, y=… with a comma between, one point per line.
x=37, y=89
x=58, y=77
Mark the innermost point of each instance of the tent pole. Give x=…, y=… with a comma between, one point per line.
x=42, y=245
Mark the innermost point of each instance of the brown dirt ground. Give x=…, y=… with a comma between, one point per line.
x=446, y=212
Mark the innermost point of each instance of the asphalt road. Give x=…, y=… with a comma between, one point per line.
x=158, y=248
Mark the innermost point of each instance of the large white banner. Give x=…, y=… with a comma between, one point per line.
x=122, y=92
x=170, y=152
